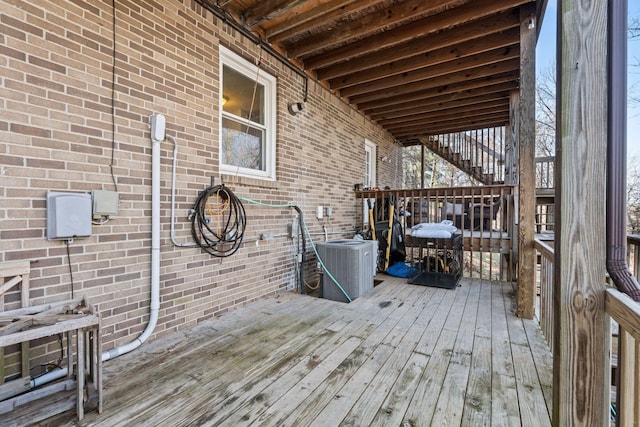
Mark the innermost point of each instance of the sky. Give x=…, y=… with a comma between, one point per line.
x=546, y=58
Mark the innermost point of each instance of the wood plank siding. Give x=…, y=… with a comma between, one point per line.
x=398, y=355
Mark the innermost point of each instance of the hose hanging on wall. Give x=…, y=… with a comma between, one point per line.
x=219, y=221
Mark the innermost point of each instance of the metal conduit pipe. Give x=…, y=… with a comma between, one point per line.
x=617, y=150
x=220, y=13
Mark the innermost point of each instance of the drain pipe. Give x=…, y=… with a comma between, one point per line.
x=155, y=276
x=616, y=152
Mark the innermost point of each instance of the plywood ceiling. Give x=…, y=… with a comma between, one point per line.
x=416, y=67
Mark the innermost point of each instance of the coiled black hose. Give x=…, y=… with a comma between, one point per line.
x=219, y=221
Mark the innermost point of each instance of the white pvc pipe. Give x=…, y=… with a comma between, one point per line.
x=155, y=259
x=155, y=275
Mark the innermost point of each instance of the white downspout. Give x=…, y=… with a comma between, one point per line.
x=155, y=275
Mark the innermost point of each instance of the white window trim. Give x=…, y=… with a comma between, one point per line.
x=227, y=57
x=370, y=147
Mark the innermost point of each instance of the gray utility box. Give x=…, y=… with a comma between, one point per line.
x=352, y=263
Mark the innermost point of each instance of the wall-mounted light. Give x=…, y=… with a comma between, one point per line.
x=225, y=99
x=295, y=107
x=532, y=23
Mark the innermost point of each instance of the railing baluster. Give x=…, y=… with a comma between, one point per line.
x=437, y=204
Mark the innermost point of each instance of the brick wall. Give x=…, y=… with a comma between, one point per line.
x=56, y=98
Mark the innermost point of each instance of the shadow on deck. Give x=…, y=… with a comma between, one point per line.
x=398, y=355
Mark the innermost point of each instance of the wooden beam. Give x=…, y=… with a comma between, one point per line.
x=370, y=23
x=432, y=72
x=580, y=359
x=301, y=16
x=455, y=90
x=511, y=148
x=459, y=113
x=268, y=10
x=433, y=55
x=424, y=108
x=461, y=76
x=442, y=102
x=526, y=169
x=305, y=18
x=510, y=261
x=405, y=42
x=451, y=127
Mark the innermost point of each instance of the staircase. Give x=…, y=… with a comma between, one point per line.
x=479, y=153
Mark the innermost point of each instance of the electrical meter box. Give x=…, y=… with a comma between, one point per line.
x=68, y=215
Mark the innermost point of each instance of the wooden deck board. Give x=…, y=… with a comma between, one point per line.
x=504, y=386
x=398, y=355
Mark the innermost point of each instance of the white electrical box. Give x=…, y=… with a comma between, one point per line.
x=158, y=126
x=68, y=215
x=105, y=203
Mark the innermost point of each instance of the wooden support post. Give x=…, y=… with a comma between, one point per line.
x=422, y=151
x=526, y=165
x=580, y=353
x=511, y=178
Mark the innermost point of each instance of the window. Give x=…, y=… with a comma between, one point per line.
x=247, y=118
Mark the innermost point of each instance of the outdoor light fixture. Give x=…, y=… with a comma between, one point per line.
x=295, y=107
x=532, y=23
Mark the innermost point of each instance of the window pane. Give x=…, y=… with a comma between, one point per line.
x=242, y=145
x=237, y=90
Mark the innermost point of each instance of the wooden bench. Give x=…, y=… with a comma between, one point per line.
x=76, y=318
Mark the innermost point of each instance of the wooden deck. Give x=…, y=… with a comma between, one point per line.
x=401, y=355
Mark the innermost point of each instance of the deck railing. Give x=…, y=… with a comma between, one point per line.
x=633, y=254
x=545, y=172
x=545, y=197
x=545, y=288
x=624, y=312
x=480, y=150
x=483, y=215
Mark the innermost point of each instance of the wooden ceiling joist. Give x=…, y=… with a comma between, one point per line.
x=433, y=72
x=494, y=114
x=406, y=42
x=453, y=90
x=316, y=17
x=431, y=56
x=459, y=112
x=437, y=104
x=385, y=17
x=416, y=67
x=476, y=73
x=452, y=127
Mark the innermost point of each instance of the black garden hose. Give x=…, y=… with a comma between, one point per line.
x=219, y=221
